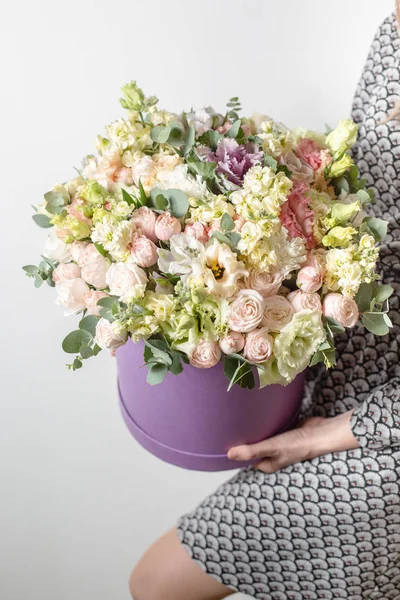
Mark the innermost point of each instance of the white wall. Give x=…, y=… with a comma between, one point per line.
x=80, y=501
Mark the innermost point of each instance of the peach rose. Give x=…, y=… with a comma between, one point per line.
x=198, y=231
x=303, y=301
x=66, y=271
x=91, y=299
x=233, y=342
x=246, y=311
x=341, y=308
x=71, y=295
x=278, y=312
x=166, y=226
x=205, y=355
x=143, y=251
x=145, y=220
x=265, y=282
x=259, y=345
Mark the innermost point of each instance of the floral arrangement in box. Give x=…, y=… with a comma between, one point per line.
x=214, y=237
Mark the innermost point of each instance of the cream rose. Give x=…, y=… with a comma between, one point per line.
x=265, y=282
x=233, y=342
x=341, y=308
x=143, y=251
x=91, y=299
x=145, y=220
x=278, y=312
x=110, y=335
x=71, y=295
x=166, y=226
x=66, y=271
x=126, y=280
x=246, y=311
x=303, y=300
x=259, y=345
x=205, y=355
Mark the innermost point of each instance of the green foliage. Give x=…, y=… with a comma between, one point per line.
x=88, y=324
x=227, y=223
x=372, y=301
x=42, y=273
x=142, y=195
x=210, y=138
x=269, y=161
x=128, y=198
x=73, y=341
x=173, y=200
x=239, y=371
x=189, y=139
x=233, y=108
x=160, y=134
x=42, y=220
x=160, y=359
x=374, y=226
x=234, y=131
x=230, y=238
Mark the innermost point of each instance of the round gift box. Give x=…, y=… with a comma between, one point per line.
x=190, y=420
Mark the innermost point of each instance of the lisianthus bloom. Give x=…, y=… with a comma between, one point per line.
x=178, y=260
x=297, y=216
x=220, y=269
x=310, y=152
x=234, y=160
x=297, y=342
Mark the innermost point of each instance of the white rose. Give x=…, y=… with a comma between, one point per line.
x=94, y=272
x=259, y=345
x=278, y=312
x=110, y=335
x=56, y=249
x=246, y=311
x=126, y=280
x=71, y=295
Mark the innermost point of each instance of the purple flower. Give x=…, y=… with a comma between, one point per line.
x=234, y=160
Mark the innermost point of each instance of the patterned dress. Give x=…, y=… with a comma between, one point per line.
x=330, y=527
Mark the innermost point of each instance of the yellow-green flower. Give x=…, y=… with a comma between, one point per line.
x=133, y=96
x=338, y=167
x=339, y=237
x=343, y=137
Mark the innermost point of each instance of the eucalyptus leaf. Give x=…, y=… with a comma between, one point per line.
x=363, y=298
x=160, y=133
x=375, y=323
x=54, y=198
x=89, y=323
x=382, y=293
x=31, y=270
x=269, y=161
x=85, y=351
x=334, y=325
x=227, y=223
x=189, y=139
x=73, y=341
x=156, y=373
x=377, y=226
x=363, y=197
x=234, y=130
x=38, y=281
x=42, y=220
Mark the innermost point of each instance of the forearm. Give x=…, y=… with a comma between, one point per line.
x=333, y=435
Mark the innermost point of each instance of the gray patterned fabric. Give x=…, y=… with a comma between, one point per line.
x=330, y=527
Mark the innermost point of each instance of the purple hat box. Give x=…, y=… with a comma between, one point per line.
x=190, y=420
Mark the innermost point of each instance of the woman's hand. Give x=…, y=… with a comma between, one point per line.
x=313, y=437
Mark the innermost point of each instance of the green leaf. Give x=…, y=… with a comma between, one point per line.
x=242, y=370
x=221, y=237
x=178, y=202
x=234, y=130
x=160, y=133
x=161, y=202
x=334, y=325
x=375, y=323
x=387, y=320
x=189, y=139
x=101, y=249
x=96, y=349
x=231, y=363
x=363, y=298
x=363, y=197
x=54, y=198
x=175, y=138
x=54, y=210
x=38, y=281
x=31, y=270
x=203, y=168
x=284, y=169
x=143, y=196
x=227, y=223
x=270, y=162
x=156, y=373
x=73, y=341
x=210, y=138
x=377, y=226
x=85, y=351
x=89, y=323
x=176, y=367
x=318, y=357
x=77, y=364
x=382, y=293
x=234, y=239
x=159, y=350
x=42, y=221
x=128, y=198
x=106, y=302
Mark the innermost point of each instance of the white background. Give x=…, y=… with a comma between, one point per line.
x=80, y=500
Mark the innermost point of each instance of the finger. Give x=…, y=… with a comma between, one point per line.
x=268, y=466
x=252, y=451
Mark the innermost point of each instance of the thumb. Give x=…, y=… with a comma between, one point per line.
x=251, y=451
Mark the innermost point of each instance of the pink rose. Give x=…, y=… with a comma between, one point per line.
x=246, y=311
x=296, y=215
x=341, y=308
x=109, y=335
x=77, y=252
x=233, y=342
x=91, y=299
x=205, y=355
x=303, y=301
x=198, y=231
x=166, y=226
x=278, y=312
x=90, y=254
x=94, y=272
x=144, y=251
x=309, y=151
x=145, y=220
x=310, y=278
x=259, y=345
x=71, y=295
x=66, y=271
x=299, y=168
x=265, y=282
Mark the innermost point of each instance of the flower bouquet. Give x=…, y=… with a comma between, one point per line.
x=207, y=241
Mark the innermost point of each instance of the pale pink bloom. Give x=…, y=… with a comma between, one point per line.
x=124, y=175
x=326, y=159
x=108, y=335
x=225, y=127
x=198, y=231
x=108, y=167
x=309, y=151
x=166, y=226
x=259, y=345
x=265, y=282
x=205, y=355
x=233, y=342
x=278, y=312
x=143, y=251
x=303, y=301
x=73, y=210
x=215, y=226
x=78, y=251
x=66, y=271
x=95, y=272
x=90, y=254
x=126, y=280
x=71, y=295
x=296, y=215
x=309, y=279
x=145, y=220
x=239, y=222
x=91, y=299
x=246, y=311
x=298, y=167
x=144, y=169
x=341, y=308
